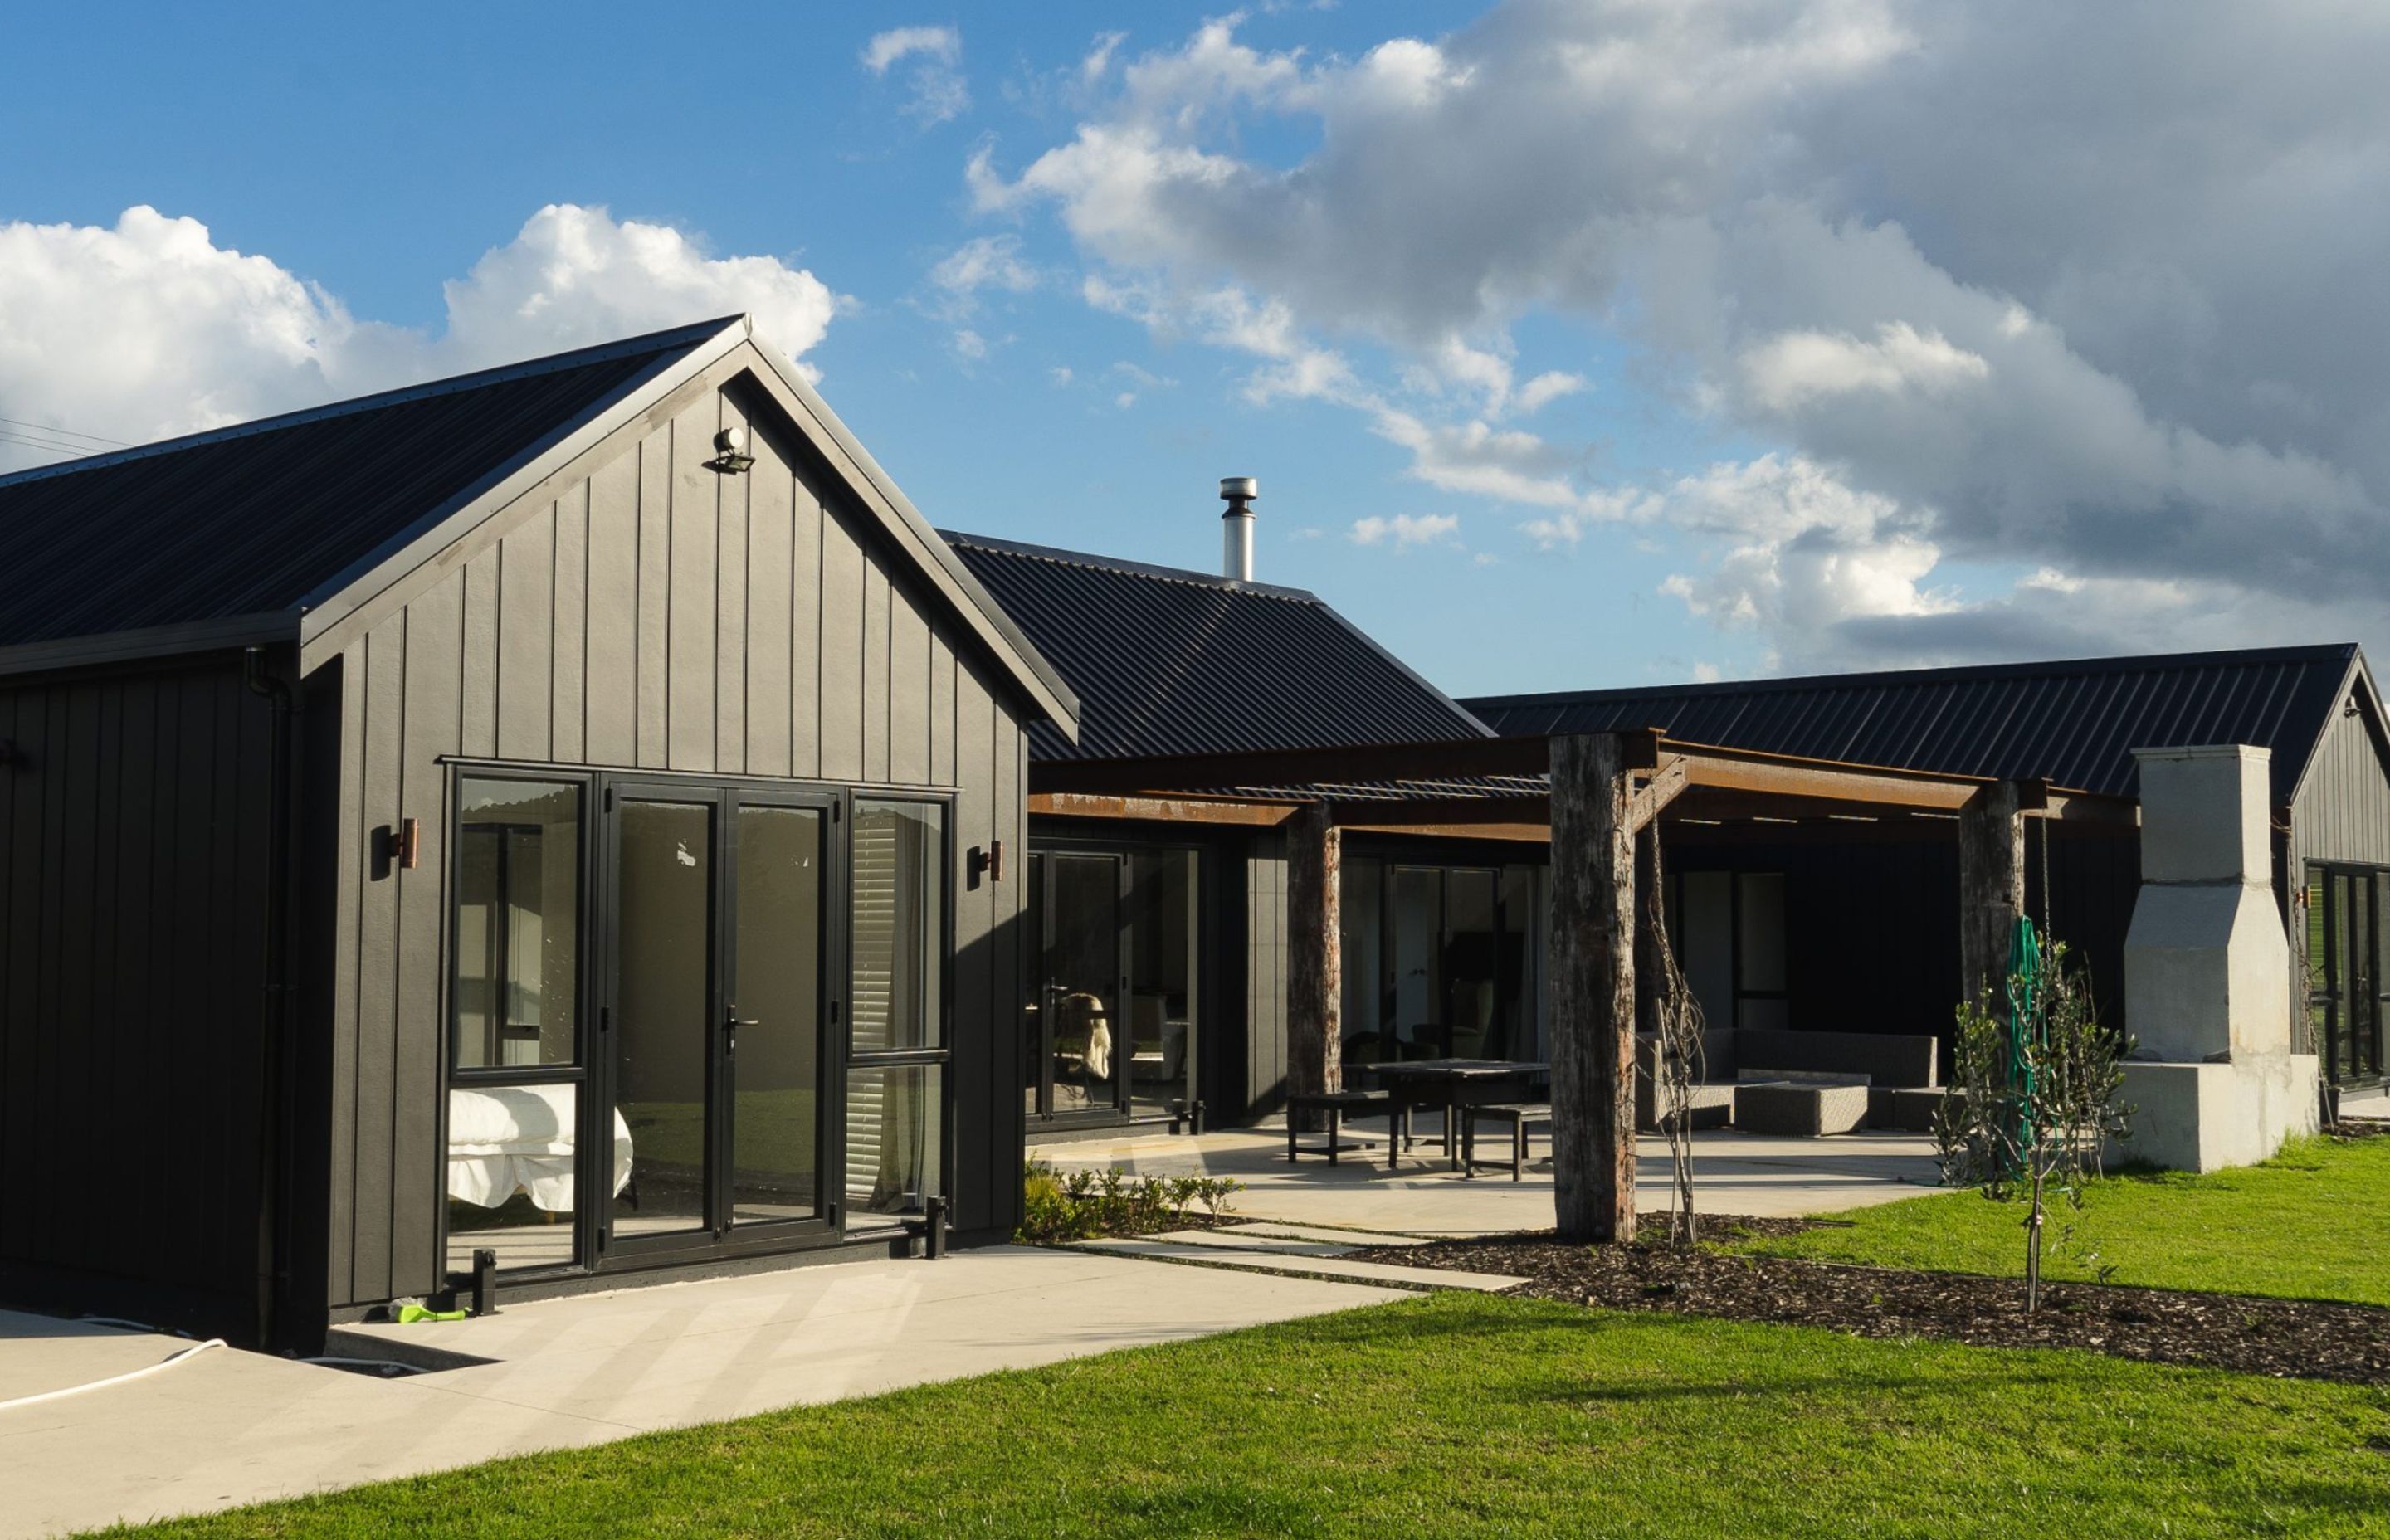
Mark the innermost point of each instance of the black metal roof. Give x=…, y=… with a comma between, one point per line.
x=257, y=518
x=1167, y=661
x=2074, y=724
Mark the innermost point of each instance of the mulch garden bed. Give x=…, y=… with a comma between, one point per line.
x=2295, y=1339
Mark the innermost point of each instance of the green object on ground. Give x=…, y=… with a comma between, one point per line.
x=1462, y=1415
x=410, y=1314
x=2313, y=1223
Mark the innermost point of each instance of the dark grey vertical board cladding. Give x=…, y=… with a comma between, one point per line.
x=730, y=641
x=976, y=939
x=876, y=605
x=2342, y=810
x=527, y=640
x=841, y=650
x=611, y=689
x=689, y=626
x=133, y=840
x=568, y=653
x=374, y=1092
x=767, y=658
x=651, y=613
x=654, y=604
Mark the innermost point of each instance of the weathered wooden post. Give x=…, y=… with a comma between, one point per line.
x=1991, y=889
x=1315, y=904
x=1592, y=989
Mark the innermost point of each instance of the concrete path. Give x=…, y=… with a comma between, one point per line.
x=1733, y=1172
x=227, y=1428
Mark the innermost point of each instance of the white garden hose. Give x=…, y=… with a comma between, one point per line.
x=166, y=1363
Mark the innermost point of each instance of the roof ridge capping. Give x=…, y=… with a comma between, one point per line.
x=2118, y=664
x=1095, y=561
x=671, y=340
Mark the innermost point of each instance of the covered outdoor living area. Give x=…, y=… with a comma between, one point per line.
x=1611, y=811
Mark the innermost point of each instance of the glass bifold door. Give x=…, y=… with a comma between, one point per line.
x=716, y=1032
x=705, y=922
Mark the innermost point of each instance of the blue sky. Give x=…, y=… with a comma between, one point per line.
x=1816, y=399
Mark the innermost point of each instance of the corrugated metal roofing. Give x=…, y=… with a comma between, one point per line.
x=2073, y=724
x=255, y=519
x=1175, y=662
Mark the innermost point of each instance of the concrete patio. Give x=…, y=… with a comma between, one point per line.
x=226, y=1428
x=1733, y=1172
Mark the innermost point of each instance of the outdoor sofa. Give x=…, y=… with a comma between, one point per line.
x=1900, y=1074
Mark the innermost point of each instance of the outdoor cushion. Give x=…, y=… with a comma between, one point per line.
x=1800, y=1109
x=1907, y=1107
x=503, y=1139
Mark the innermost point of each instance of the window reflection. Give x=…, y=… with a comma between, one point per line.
x=517, y=942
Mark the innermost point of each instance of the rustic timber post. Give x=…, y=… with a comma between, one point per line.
x=1315, y=975
x=1991, y=890
x=1592, y=997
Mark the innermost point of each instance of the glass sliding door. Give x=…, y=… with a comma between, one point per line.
x=1162, y=981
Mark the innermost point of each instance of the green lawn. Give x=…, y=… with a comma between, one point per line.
x=1463, y=1415
x=2313, y=1223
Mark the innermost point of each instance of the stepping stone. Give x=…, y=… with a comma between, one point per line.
x=1326, y=1235
x=1340, y=1269
x=1273, y=1245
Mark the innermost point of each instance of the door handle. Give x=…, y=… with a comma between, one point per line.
x=731, y=1023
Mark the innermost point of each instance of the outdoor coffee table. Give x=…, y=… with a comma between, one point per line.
x=1445, y=1082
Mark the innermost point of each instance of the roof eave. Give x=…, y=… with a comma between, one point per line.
x=269, y=628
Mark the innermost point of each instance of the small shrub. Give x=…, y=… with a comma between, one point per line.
x=1080, y=1205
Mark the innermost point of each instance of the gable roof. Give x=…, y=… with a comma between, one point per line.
x=253, y=520
x=2074, y=724
x=291, y=526
x=1167, y=661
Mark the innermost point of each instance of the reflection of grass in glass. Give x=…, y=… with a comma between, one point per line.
x=774, y=1133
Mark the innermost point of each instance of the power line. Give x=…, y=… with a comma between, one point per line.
x=65, y=432
x=71, y=451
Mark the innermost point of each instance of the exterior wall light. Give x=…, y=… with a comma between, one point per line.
x=731, y=456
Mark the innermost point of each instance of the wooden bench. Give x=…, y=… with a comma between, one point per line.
x=1515, y=1113
x=1338, y=1106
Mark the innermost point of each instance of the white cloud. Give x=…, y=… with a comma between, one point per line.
x=1404, y=530
x=147, y=328
x=938, y=89
x=573, y=275
x=985, y=263
x=2128, y=334
x=1794, y=368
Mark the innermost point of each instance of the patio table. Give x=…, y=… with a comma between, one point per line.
x=1446, y=1081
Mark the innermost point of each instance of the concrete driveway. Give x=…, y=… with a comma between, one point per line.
x=226, y=1428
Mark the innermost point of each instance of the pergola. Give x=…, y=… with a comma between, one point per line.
x=1591, y=798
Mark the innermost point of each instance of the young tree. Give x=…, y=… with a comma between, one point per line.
x=1676, y=1054
x=2034, y=1097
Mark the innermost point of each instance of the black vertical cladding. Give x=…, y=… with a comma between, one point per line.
x=130, y=1111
